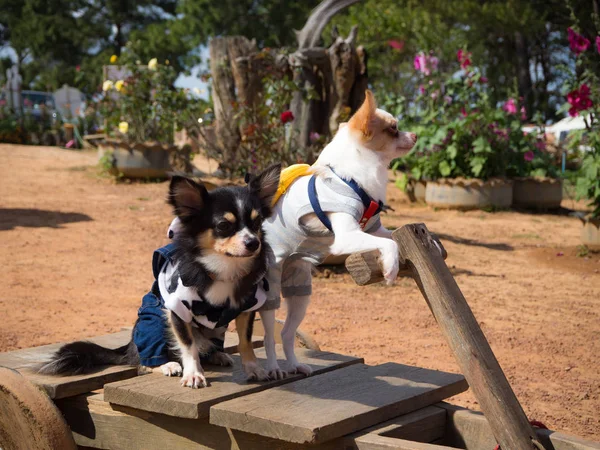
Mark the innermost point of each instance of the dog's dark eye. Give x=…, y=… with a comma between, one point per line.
x=225, y=227
x=393, y=130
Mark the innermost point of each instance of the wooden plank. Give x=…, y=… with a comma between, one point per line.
x=468, y=343
x=56, y=387
x=318, y=409
x=377, y=442
x=470, y=430
x=98, y=424
x=365, y=267
x=424, y=425
x=165, y=395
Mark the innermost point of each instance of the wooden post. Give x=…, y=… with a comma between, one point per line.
x=420, y=253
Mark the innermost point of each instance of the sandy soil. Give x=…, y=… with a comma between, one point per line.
x=76, y=251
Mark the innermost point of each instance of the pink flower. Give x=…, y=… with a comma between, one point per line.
x=510, y=106
x=314, y=136
x=540, y=145
x=579, y=99
x=483, y=80
x=396, y=45
x=464, y=58
x=528, y=156
x=577, y=42
x=435, y=95
x=523, y=113
x=77, y=68
x=433, y=62
x=598, y=43
x=286, y=116
x=448, y=99
x=420, y=63
x=463, y=112
x=422, y=89
x=2, y=102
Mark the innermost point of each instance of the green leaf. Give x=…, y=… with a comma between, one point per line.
x=402, y=182
x=452, y=151
x=480, y=145
x=444, y=168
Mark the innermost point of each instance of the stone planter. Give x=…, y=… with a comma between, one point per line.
x=467, y=194
x=138, y=160
x=590, y=233
x=537, y=193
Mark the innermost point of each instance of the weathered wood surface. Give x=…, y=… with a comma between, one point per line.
x=58, y=387
x=470, y=430
x=25, y=361
x=28, y=418
x=98, y=424
x=365, y=267
x=509, y=423
x=157, y=393
x=318, y=409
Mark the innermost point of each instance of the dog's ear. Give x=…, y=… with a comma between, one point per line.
x=186, y=196
x=266, y=183
x=363, y=117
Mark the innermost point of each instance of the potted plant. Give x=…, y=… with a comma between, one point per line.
x=142, y=113
x=583, y=99
x=465, y=144
x=537, y=184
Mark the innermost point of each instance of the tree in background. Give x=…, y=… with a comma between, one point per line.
x=521, y=45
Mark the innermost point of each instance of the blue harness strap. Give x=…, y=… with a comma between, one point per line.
x=367, y=201
x=314, y=202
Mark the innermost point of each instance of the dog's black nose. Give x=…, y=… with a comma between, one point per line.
x=251, y=244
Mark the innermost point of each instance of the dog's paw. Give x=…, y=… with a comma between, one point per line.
x=275, y=373
x=255, y=372
x=220, y=359
x=194, y=380
x=301, y=368
x=171, y=369
x=389, y=262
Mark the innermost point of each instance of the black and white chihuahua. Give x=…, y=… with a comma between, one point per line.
x=220, y=257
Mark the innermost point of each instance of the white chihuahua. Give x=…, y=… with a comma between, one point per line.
x=333, y=211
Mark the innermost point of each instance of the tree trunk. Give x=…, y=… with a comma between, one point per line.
x=227, y=132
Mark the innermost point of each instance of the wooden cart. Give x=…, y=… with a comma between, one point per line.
x=344, y=405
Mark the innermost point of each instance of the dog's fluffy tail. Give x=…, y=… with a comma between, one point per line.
x=83, y=357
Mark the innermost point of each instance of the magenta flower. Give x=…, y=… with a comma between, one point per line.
x=540, y=145
x=577, y=42
x=580, y=100
x=463, y=112
x=598, y=43
x=420, y=63
x=422, y=89
x=528, y=156
x=464, y=58
x=396, y=45
x=510, y=106
x=523, y=113
x=433, y=62
x=314, y=136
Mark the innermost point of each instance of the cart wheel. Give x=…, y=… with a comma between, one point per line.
x=302, y=339
x=28, y=418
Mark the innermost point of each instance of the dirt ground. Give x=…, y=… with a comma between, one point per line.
x=76, y=251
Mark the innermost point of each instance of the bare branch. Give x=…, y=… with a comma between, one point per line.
x=311, y=32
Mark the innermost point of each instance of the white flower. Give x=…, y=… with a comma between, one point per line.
x=107, y=85
x=198, y=91
x=200, y=120
x=123, y=127
x=152, y=64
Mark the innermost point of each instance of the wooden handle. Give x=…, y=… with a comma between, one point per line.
x=365, y=268
x=468, y=343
